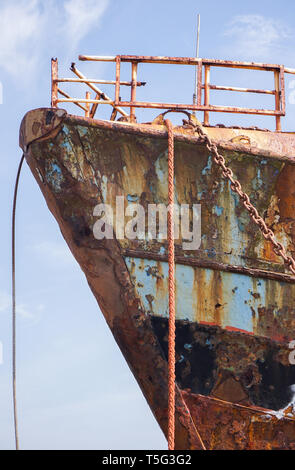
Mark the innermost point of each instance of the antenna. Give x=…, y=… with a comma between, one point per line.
x=197, y=55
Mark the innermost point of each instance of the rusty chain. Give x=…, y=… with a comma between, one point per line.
x=236, y=187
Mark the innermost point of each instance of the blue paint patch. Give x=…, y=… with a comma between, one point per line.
x=185, y=290
x=66, y=130
x=218, y=210
x=241, y=225
x=56, y=168
x=209, y=344
x=181, y=359
x=82, y=130
x=53, y=175
x=161, y=167
x=208, y=167
x=132, y=197
x=66, y=144
x=240, y=307
x=211, y=253
x=240, y=297
x=235, y=197
x=257, y=182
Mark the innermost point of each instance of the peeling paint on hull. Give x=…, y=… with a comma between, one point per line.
x=233, y=301
x=235, y=311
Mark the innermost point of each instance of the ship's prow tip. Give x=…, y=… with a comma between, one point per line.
x=39, y=123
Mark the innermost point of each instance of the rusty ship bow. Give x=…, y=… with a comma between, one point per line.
x=235, y=311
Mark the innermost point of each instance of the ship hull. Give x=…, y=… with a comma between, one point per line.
x=234, y=300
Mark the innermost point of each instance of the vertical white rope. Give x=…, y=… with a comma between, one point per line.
x=13, y=308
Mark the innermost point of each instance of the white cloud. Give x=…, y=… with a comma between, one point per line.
x=21, y=309
x=256, y=37
x=28, y=27
x=20, y=22
x=82, y=16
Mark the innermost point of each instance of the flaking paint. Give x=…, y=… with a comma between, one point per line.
x=229, y=300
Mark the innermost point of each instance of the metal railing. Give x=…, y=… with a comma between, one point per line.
x=204, y=86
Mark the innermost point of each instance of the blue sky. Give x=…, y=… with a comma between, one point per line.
x=75, y=390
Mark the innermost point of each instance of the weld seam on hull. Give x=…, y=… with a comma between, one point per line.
x=253, y=272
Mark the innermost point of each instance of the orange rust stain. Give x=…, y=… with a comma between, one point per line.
x=254, y=312
x=285, y=183
x=268, y=253
x=210, y=323
x=226, y=426
x=141, y=264
x=278, y=338
x=161, y=286
x=132, y=269
x=286, y=199
x=217, y=295
x=232, y=328
x=200, y=301
x=208, y=299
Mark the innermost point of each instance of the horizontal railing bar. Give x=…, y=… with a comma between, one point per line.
x=183, y=61
x=246, y=90
x=221, y=109
x=141, y=104
x=241, y=65
x=180, y=60
x=93, y=80
x=195, y=61
x=84, y=100
x=101, y=58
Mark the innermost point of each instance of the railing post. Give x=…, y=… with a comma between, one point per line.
x=206, y=93
x=54, y=83
x=133, y=90
x=118, y=78
x=199, y=86
x=277, y=99
x=282, y=89
x=87, y=105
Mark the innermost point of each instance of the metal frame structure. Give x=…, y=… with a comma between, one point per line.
x=203, y=67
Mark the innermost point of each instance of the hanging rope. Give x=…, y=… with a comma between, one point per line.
x=13, y=307
x=171, y=283
x=171, y=287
